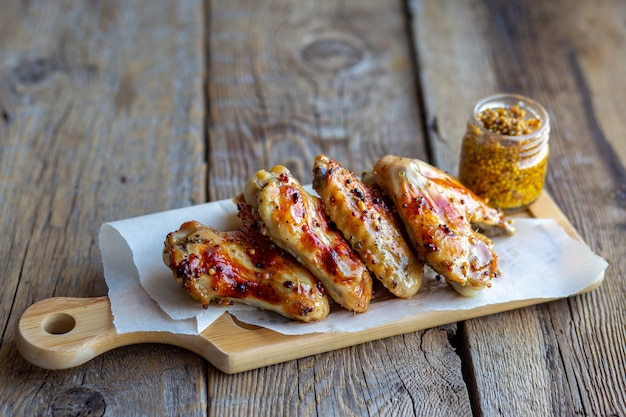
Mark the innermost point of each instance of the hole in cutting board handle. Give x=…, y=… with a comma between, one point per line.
x=59, y=323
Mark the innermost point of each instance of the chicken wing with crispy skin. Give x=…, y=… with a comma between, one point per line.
x=295, y=220
x=364, y=216
x=243, y=266
x=439, y=212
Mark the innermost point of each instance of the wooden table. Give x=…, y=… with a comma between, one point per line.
x=114, y=109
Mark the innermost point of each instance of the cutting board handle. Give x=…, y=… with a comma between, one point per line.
x=62, y=332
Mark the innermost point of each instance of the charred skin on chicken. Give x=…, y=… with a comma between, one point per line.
x=439, y=214
x=365, y=217
x=295, y=220
x=243, y=266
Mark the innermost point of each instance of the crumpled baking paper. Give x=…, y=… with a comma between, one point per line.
x=539, y=262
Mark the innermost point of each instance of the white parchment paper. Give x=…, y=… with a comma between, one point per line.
x=540, y=262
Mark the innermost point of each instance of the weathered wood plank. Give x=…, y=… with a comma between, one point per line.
x=413, y=374
x=287, y=81
x=98, y=122
x=566, y=357
x=102, y=118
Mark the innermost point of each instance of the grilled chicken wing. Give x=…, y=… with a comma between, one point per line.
x=295, y=220
x=438, y=212
x=364, y=216
x=243, y=266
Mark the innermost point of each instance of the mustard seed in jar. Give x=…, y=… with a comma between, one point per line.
x=504, y=153
x=508, y=121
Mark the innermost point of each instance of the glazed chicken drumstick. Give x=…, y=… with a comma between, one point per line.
x=439, y=212
x=295, y=221
x=363, y=215
x=243, y=266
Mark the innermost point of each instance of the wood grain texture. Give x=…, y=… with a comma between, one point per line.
x=101, y=102
x=545, y=360
x=290, y=80
x=110, y=109
x=374, y=385
x=454, y=71
x=287, y=81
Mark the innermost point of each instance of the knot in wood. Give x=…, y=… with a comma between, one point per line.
x=79, y=401
x=34, y=70
x=332, y=54
x=620, y=196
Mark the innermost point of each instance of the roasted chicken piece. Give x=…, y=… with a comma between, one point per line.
x=439, y=212
x=295, y=221
x=243, y=266
x=364, y=216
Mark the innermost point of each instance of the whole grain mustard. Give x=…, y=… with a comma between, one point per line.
x=504, y=153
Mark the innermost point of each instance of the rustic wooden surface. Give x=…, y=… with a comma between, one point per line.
x=114, y=109
x=568, y=356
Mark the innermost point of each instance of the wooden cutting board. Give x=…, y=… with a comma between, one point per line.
x=60, y=332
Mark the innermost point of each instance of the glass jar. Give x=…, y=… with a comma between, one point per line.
x=504, y=153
